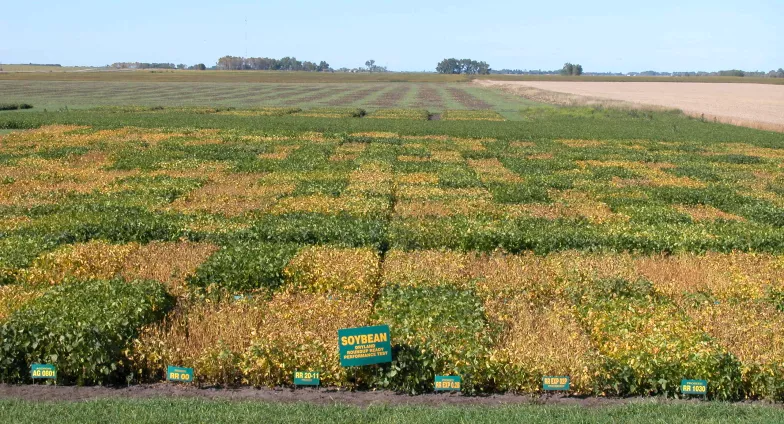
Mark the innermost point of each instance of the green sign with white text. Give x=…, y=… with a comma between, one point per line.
x=181, y=374
x=448, y=383
x=364, y=345
x=307, y=378
x=43, y=371
x=556, y=382
x=694, y=387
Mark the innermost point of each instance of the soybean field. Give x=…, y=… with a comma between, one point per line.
x=626, y=249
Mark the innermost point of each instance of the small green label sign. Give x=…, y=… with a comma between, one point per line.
x=448, y=383
x=307, y=378
x=694, y=387
x=181, y=374
x=556, y=382
x=364, y=345
x=43, y=371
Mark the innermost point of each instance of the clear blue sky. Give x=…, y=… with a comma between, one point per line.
x=402, y=34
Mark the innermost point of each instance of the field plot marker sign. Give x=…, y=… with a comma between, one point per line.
x=181, y=374
x=307, y=378
x=694, y=387
x=556, y=383
x=448, y=383
x=364, y=345
x=44, y=371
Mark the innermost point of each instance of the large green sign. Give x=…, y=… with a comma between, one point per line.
x=364, y=345
x=184, y=375
x=694, y=387
x=307, y=378
x=448, y=383
x=556, y=383
x=43, y=371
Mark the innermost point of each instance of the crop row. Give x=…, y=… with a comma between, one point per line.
x=318, y=112
x=616, y=323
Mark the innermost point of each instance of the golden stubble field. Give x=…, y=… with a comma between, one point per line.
x=756, y=105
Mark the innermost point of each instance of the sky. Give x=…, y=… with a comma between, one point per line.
x=404, y=35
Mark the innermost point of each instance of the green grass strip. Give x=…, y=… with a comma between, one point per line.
x=164, y=410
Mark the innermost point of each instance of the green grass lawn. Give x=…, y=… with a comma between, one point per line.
x=163, y=410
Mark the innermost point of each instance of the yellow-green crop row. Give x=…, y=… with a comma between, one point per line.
x=413, y=114
x=471, y=115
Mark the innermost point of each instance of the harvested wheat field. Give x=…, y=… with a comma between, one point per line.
x=755, y=105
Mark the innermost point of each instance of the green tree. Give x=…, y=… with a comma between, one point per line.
x=462, y=66
x=571, y=69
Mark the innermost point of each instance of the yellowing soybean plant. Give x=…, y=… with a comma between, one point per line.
x=625, y=249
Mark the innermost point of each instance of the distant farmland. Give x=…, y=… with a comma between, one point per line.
x=369, y=95
x=754, y=105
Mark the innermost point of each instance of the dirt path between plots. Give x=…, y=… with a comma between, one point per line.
x=51, y=393
x=753, y=105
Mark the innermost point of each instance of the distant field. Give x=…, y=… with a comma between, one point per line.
x=747, y=80
x=169, y=75
x=759, y=106
x=434, y=97
x=40, y=68
x=22, y=72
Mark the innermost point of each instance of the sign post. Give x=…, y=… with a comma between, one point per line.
x=364, y=346
x=556, y=383
x=180, y=374
x=307, y=378
x=448, y=383
x=43, y=371
x=694, y=387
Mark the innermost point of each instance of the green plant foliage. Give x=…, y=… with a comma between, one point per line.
x=647, y=346
x=62, y=152
x=18, y=252
x=82, y=327
x=331, y=187
x=245, y=266
x=414, y=114
x=518, y=193
x=81, y=222
x=455, y=176
x=152, y=190
x=776, y=297
x=435, y=330
x=15, y=106
x=312, y=228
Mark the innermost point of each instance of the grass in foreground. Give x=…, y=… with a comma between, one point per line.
x=163, y=410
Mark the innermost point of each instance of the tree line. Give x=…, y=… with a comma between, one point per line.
x=236, y=63
x=739, y=73
x=568, y=69
x=462, y=66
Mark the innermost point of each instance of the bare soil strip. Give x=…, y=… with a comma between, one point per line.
x=355, y=96
x=428, y=96
x=314, y=95
x=467, y=100
x=393, y=97
x=752, y=105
